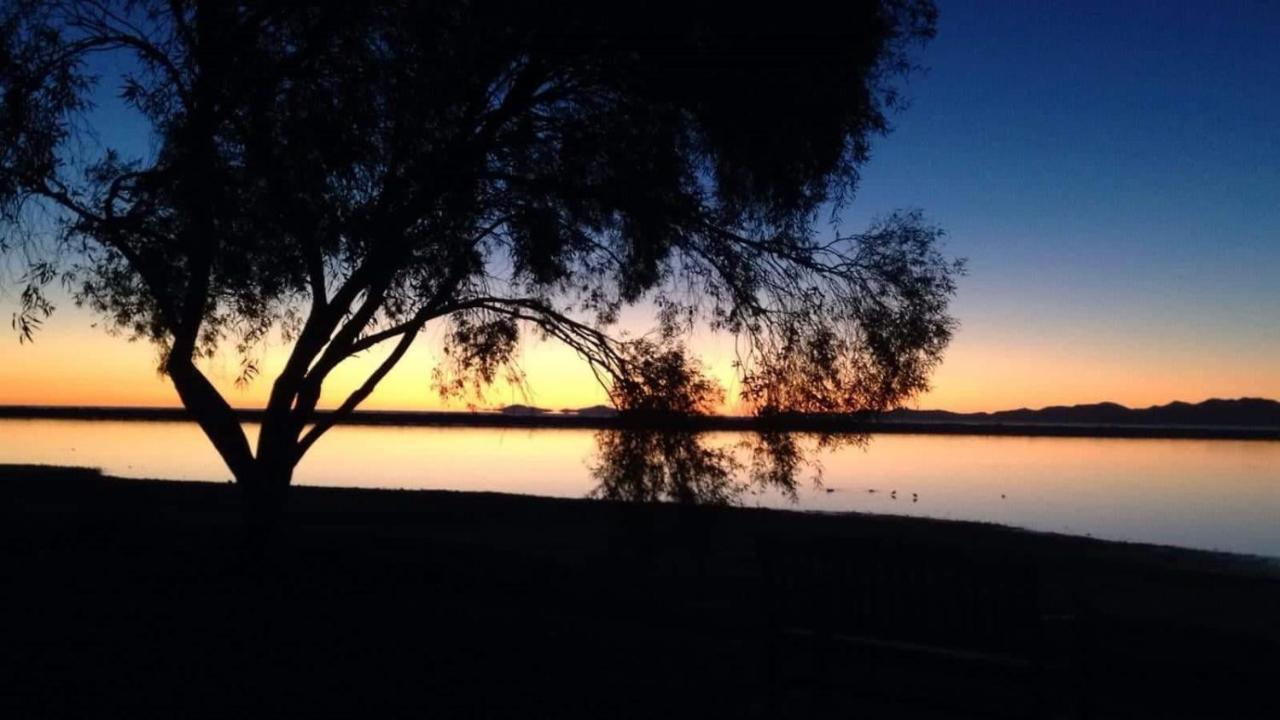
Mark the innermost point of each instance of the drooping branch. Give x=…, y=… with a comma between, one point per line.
x=592, y=344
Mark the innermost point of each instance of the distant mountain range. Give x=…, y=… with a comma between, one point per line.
x=1243, y=412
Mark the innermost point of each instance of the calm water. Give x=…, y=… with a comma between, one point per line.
x=1214, y=494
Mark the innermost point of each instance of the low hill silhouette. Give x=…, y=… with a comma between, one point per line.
x=523, y=410
x=595, y=411
x=1242, y=412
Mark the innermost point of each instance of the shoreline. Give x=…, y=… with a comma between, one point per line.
x=714, y=423
x=396, y=502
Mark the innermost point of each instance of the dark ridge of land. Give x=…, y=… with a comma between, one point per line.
x=142, y=598
x=1216, y=413
x=1052, y=422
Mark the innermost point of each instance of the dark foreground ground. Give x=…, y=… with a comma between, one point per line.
x=140, y=599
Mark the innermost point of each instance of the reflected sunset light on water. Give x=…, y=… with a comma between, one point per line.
x=1211, y=494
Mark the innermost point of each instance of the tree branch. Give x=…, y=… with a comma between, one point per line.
x=361, y=393
x=213, y=414
x=153, y=282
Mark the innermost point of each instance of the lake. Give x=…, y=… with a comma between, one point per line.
x=1210, y=494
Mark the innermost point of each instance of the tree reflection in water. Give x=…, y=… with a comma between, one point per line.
x=689, y=467
x=659, y=454
x=646, y=465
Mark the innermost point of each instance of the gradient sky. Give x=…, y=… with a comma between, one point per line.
x=1110, y=170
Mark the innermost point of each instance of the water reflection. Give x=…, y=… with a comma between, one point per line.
x=658, y=465
x=648, y=465
x=1222, y=494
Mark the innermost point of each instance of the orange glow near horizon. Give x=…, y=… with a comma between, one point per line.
x=72, y=363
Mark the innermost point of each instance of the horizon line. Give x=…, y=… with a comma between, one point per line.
x=10, y=407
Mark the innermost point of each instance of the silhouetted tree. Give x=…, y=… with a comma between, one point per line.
x=345, y=175
x=658, y=453
x=653, y=457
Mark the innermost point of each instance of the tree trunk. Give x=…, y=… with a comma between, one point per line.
x=266, y=486
x=263, y=493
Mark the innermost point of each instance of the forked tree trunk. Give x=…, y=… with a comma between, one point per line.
x=263, y=479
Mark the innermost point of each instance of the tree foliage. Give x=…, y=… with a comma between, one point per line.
x=346, y=174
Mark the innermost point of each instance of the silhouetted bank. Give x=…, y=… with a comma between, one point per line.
x=141, y=596
x=1241, y=419
x=1216, y=413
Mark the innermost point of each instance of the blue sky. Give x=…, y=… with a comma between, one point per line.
x=1111, y=170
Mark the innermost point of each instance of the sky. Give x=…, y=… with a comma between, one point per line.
x=1111, y=172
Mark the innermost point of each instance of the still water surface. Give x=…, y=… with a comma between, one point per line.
x=1214, y=494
